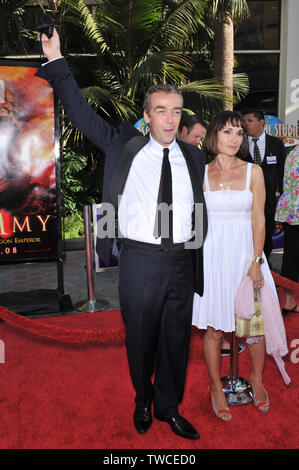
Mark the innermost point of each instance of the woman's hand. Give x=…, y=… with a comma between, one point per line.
x=255, y=274
x=51, y=47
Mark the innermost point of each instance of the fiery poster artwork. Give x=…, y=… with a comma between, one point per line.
x=28, y=183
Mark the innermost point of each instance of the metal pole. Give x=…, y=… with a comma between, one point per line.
x=92, y=304
x=60, y=278
x=234, y=362
x=237, y=390
x=88, y=252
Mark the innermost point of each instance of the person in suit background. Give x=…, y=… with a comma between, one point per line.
x=156, y=273
x=269, y=152
x=192, y=129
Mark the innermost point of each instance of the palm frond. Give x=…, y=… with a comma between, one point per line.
x=206, y=97
x=123, y=107
x=90, y=24
x=211, y=88
x=186, y=17
x=238, y=8
x=181, y=24
x=240, y=86
x=161, y=66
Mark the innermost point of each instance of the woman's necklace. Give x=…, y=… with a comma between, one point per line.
x=227, y=186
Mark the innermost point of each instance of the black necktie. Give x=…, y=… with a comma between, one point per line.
x=164, y=217
x=256, y=153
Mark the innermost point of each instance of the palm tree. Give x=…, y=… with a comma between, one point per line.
x=139, y=43
x=224, y=13
x=135, y=43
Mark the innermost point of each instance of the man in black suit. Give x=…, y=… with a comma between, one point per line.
x=156, y=273
x=269, y=152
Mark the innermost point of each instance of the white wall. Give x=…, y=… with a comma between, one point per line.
x=289, y=63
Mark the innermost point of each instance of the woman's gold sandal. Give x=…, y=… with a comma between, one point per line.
x=262, y=405
x=223, y=414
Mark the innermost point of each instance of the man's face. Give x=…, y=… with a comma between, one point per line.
x=164, y=116
x=194, y=136
x=255, y=127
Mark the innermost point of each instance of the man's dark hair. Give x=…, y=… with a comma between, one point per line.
x=258, y=113
x=156, y=88
x=189, y=120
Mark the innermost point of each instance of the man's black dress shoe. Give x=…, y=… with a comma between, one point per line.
x=143, y=417
x=180, y=426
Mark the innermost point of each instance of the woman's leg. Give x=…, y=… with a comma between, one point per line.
x=257, y=356
x=212, y=346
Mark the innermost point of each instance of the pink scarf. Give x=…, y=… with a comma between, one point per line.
x=276, y=344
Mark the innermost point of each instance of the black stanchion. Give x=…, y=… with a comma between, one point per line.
x=91, y=304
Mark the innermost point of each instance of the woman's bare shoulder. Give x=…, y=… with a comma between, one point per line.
x=257, y=171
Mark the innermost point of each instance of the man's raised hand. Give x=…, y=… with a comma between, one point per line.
x=51, y=47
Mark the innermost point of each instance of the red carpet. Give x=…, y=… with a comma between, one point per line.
x=55, y=395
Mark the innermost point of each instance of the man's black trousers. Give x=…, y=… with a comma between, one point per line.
x=156, y=298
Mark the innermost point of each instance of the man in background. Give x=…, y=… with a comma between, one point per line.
x=192, y=129
x=269, y=152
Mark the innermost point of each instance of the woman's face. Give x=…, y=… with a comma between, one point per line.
x=229, y=139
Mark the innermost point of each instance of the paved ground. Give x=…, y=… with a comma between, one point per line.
x=29, y=276
x=43, y=275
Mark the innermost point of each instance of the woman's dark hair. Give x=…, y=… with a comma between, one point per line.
x=218, y=122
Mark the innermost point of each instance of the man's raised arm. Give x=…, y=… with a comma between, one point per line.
x=80, y=113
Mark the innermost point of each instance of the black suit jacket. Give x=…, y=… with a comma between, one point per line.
x=273, y=172
x=120, y=149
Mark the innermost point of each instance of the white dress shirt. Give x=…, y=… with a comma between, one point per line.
x=261, y=143
x=137, y=208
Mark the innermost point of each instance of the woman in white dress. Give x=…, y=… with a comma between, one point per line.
x=235, y=198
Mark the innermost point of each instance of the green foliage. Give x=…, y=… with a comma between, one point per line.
x=73, y=225
x=140, y=43
x=238, y=8
x=82, y=174
x=130, y=45
x=136, y=43
x=12, y=17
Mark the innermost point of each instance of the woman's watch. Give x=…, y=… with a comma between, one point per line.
x=258, y=259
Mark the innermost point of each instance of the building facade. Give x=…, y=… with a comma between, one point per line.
x=266, y=48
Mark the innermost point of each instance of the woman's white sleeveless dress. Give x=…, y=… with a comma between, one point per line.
x=228, y=251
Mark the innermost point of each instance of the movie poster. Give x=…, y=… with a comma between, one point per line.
x=28, y=157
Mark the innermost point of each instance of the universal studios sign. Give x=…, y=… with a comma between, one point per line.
x=289, y=133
